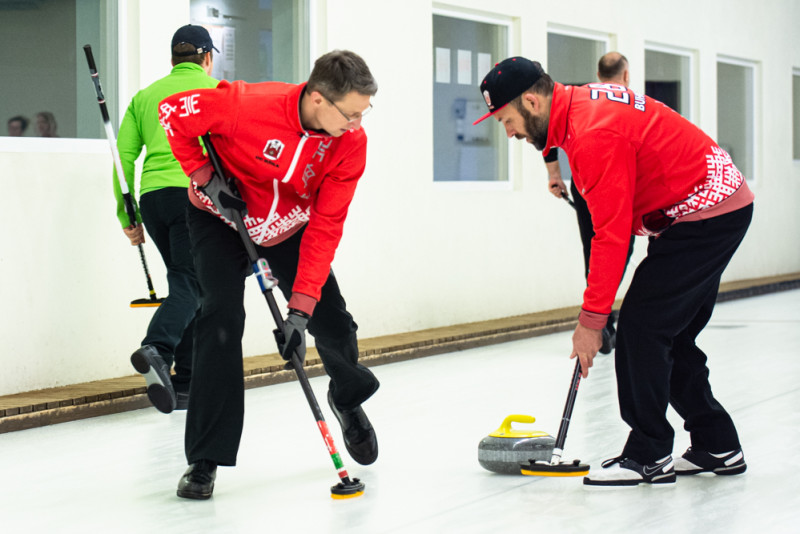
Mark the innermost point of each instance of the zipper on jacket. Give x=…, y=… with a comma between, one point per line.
x=295, y=158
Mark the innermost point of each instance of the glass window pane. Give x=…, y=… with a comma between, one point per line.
x=735, y=110
x=464, y=52
x=258, y=40
x=796, y=115
x=573, y=60
x=667, y=79
x=44, y=68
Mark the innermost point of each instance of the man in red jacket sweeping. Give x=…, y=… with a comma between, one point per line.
x=296, y=153
x=642, y=169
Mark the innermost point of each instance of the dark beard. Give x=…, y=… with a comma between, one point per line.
x=536, y=128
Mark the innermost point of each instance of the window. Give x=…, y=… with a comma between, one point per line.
x=258, y=40
x=572, y=60
x=464, y=51
x=44, y=68
x=796, y=114
x=667, y=78
x=735, y=112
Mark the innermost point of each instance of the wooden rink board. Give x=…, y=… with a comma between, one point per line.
x=79, y=401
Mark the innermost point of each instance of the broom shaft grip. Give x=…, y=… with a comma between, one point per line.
x=565, y=418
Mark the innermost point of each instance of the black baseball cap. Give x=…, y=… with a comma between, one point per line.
x=506, y=81
x=197, y=36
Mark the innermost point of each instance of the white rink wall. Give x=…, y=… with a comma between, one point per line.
x=415, y=255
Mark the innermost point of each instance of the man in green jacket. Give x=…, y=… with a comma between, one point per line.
x=162, y=209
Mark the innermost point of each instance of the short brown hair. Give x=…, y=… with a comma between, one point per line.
x=181, y=48
x=543, y=86
x=340, y=72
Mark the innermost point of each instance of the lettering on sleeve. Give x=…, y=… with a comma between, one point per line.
x=189, y=105
x=164, y=112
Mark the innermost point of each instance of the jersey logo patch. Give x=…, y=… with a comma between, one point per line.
x=273, y=149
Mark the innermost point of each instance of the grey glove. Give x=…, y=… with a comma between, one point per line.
x=294, y=337
x=225, y=196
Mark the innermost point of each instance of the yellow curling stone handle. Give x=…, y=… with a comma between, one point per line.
x=505, y=430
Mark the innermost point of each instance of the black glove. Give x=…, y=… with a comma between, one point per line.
x=293, y=338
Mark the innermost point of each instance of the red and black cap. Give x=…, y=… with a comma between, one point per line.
x=506, y=81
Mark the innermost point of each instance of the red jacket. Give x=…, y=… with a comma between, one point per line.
x=637, y=163
x=287, y=175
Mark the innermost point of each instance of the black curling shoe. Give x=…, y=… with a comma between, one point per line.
x=147, y=361
x=198, y=481
x=359, y=436
x=726, y=463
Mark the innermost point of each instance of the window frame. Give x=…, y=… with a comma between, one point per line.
x=795, y=116
x=683, y=52
x=513, y=150
x=580, y=33
x=83, y=145
x=752, y=178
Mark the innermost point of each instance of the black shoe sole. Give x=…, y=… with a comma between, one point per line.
x=616, y=483
x=159, y=395
x=628, y=483
x=721, y=471
x=195, y=495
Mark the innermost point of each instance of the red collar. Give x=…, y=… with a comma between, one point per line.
x=559, y=109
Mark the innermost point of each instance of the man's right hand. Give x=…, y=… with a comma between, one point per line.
x=586, y=342
x=135, y=234
x=556, y=186
x=554, y=182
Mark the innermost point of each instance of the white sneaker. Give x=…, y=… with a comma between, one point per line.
x=626, y=472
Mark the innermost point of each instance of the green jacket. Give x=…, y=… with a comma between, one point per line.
x=140, y=127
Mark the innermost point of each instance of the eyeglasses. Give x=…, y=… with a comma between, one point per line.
x=343, y=114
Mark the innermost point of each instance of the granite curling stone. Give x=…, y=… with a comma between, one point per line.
x=505, y=449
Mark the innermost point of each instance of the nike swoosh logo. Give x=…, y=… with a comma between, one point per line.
x=650, y=472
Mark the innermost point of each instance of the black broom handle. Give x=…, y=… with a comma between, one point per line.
x=565, y=418
x=123, y=185
x=276, y=315
x=273, y=305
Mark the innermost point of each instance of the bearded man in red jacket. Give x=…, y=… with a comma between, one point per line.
x=645, y=170
x=297, y=153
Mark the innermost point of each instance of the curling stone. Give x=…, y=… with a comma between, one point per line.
x=505, y=449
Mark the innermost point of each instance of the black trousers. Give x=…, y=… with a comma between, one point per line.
x=215, y=416
x=171, y=330
x=668, y=304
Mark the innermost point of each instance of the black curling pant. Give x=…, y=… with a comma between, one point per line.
x=215, y=416
x=171, y=330
x=668, y=304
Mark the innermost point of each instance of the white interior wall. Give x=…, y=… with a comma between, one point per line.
x=414, y=255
